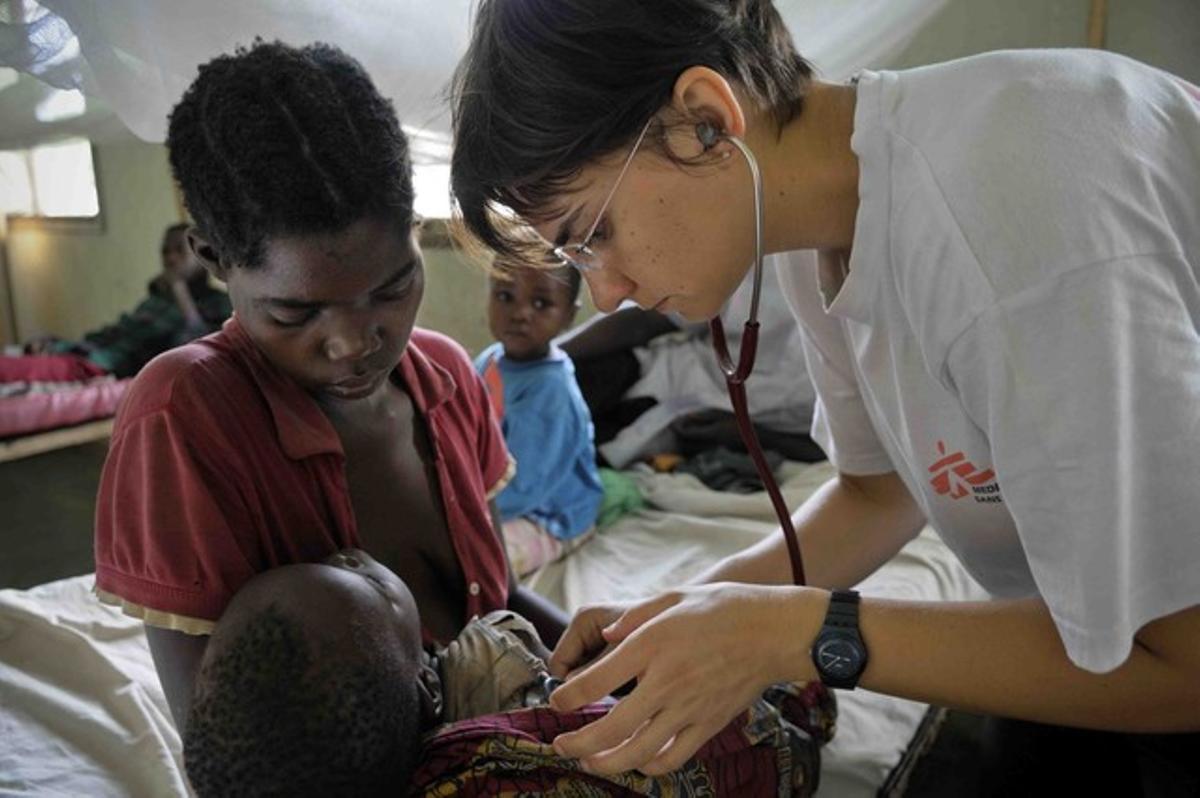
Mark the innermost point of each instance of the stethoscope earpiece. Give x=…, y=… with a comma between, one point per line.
x=708, y=135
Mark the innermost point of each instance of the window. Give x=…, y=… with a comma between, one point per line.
x=431, y=186
x=55, y=181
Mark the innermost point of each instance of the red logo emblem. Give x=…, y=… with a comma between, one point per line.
x=955, y=476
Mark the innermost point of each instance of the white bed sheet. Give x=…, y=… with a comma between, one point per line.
x=81, y=711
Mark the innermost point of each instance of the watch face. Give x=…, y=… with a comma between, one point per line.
x=839, y=658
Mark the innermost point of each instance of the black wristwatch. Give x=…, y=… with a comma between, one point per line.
x=839, y=652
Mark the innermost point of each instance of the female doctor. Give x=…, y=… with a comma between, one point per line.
x=1003, y=329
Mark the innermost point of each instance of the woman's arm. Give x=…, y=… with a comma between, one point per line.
x=186, y=303
x=847, y=529
x=1006, y=658
x=177, y=659
x=727, y=642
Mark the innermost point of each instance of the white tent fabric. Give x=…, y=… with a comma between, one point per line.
x=139, y=55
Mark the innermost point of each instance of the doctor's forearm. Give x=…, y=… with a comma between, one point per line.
x=1006, y=658
x=848, y=528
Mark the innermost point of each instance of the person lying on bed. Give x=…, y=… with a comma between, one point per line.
x=316, y=682
x=318, y=418
x=180, y=305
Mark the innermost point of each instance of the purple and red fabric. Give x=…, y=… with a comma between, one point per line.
x=772, y=749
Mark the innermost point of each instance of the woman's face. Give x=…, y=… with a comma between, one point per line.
x=673, y=238
x=334, y=312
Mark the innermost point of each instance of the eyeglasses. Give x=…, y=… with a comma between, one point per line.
x=581, y=256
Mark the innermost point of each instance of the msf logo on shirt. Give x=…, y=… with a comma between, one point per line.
x=956, y=476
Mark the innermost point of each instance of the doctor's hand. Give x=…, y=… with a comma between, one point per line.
x=700, y=656
x=584, y=638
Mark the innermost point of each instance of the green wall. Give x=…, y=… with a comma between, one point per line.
x=68, y=277
x=1165, y=33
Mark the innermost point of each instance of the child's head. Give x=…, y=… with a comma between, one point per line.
x=313, y=683
x=298, y=176
x=529, y=305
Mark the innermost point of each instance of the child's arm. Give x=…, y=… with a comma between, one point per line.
x=549, y=620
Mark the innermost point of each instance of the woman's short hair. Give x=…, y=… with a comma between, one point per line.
x=549, y=86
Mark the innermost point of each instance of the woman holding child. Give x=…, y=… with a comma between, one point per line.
x=319, y=418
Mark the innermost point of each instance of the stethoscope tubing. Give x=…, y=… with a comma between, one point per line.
x=736, y=374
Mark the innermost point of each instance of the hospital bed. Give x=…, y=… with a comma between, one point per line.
x=81, y=711
x=41, y=422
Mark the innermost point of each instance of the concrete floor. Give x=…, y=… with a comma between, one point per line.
x=46, y=508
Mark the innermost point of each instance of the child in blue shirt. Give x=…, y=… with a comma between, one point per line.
x=550, y=505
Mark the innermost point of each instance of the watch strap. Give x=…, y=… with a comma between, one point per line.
x=843, y=609
x=841, y=621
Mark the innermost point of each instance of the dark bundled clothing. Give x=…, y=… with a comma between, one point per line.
x=154, y=326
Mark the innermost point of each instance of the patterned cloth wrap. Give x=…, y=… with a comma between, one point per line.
x=772, y=749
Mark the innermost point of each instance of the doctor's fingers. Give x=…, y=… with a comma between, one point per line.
x=679, y=750
x=633, y=618
x=660, y=722
x=583, y=638
x=646, y=744
x=633, y=717
x=601, y=677
x=694, y=716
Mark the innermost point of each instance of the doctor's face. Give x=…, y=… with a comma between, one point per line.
x=675, y=238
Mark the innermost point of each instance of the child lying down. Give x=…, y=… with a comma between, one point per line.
x=315, y=682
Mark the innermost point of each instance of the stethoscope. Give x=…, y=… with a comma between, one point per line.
x=737, y=373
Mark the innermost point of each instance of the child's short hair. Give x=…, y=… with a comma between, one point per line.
x=273, y=715
x=534, y=254
x=548, y=87
x=279, y=140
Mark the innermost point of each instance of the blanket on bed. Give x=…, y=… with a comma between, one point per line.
x=32, y=412
x=81, y=711
x=773, y=749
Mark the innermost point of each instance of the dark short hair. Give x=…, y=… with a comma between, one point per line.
x=531, y=258
x=273, y=715
x=277, y=140
x=548, y=86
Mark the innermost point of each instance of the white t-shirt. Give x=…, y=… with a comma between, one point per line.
x=1018, y=336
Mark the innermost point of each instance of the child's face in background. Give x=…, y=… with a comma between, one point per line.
x=527, y=308
x=334, y=311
